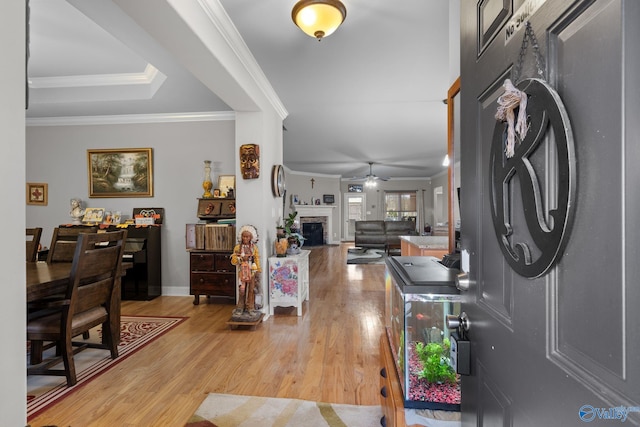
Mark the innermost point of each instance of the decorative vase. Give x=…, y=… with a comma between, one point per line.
x=294, y=245
x=281, y=246
x=207, y=184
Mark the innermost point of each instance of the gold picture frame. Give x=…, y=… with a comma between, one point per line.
x=226, y=183
x=37, y=193
x=93, y=216
x=123, y=172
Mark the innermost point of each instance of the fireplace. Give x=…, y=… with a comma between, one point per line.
x=318, y=213
x=312, y=233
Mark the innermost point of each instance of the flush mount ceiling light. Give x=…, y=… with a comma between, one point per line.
x=318, y=18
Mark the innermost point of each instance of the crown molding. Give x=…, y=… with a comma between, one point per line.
x=147, y=76
x=96, y=87
x=209, y=116
x=221, y=20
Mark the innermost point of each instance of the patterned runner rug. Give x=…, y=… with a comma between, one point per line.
x=365, y=256
x=136, y=332
x=227, y=410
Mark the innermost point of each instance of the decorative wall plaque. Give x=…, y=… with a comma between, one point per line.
x=534, y=244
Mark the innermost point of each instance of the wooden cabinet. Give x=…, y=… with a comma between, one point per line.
x=390, y=391
x=289, y=281
x=143, y=281
x=213, y=275
x=210, y=245
x=142, y=250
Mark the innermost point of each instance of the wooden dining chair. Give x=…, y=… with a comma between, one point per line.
x=63, y=242
x=63, y=246
x=33, y=241
x=88, y=302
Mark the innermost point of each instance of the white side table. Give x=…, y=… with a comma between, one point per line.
x=289, y=281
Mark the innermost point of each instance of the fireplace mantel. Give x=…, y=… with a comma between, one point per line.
x=318, y=210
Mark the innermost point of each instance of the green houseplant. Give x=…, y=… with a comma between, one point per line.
x=292, y=233
x=289, y=223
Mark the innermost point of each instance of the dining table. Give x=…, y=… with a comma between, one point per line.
x=49, y=279
x=46, y=279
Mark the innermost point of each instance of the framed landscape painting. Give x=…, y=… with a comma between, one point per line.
x=120, y=172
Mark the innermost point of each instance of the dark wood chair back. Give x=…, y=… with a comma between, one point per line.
x=90, y=300
x=33, y=241
x=63, y=243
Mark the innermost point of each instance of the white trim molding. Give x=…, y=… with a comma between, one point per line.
x=209, y=116
x=96, y=87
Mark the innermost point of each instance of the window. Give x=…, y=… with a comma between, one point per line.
x=356, y=208
x=400, y=206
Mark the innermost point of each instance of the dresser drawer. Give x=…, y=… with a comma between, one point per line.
x=202, y=261
x=216, y=284
x=223, y=263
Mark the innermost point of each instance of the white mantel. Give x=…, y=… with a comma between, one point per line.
x=318, y=210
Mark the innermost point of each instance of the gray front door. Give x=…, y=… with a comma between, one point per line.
x=561, y=348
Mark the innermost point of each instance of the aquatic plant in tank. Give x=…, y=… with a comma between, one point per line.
x=435, y=361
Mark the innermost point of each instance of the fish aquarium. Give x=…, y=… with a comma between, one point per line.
x=420, y=293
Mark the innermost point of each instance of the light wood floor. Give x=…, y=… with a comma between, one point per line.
x=329, y=354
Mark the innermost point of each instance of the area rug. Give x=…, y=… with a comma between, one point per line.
x=365, y=256
x=136, y=333
x=227, y=410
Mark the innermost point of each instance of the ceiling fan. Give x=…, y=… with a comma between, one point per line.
x=370, y=179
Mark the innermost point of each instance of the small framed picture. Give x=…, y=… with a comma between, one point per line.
x=37, y=193
x=93, y=216
x=226, y=185
x=108, y=218
x=355, y=188
x=116, y=217
x=328, y=199
x=294, y=199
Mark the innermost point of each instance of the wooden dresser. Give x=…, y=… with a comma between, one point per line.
x=213, y=275
x=210, y=245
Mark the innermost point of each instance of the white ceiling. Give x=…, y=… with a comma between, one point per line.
x=371, y=92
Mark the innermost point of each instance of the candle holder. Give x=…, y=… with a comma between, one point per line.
x=207, y=184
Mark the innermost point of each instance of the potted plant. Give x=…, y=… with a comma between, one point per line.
x=293, y=235
x=290, y=223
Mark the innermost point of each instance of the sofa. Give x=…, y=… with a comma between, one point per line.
x=382, y=234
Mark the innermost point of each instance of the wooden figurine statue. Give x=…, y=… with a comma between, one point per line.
x=250, y=161
x=247, y=258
